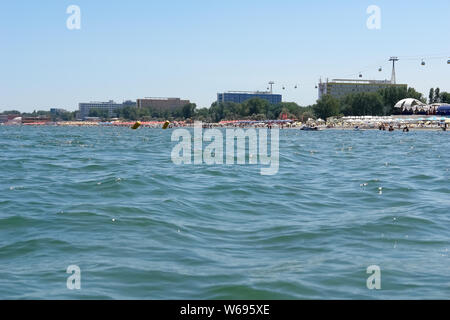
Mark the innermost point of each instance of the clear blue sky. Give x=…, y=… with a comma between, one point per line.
x=193, y=48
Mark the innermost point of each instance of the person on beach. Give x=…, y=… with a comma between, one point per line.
x=406, y=129
x=391, y=128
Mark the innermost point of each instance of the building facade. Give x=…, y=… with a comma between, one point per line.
x=162, y=104
x=242, y=96
x=339, y=88
x=110, y=107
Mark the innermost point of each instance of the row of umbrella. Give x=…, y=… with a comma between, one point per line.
x=390, y=119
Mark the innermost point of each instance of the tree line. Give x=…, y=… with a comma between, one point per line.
x=436, y=96
x=53, y=116
x=253, y=109
x=380, y=103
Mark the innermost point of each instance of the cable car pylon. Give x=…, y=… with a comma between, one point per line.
x=394, y=60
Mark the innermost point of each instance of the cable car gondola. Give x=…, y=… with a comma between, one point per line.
x=423, y=62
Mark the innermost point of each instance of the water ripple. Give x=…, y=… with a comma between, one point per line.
x=111, y=201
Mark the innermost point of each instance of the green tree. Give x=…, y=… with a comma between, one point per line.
x=391, y=95
x=11, y=112
x=326, y=107
x=188, y=111
x=99, y=113
x=128, y=113
x=203, y=115
x=437, y=95
x=445, y=97
x=363, y=104
x=67, y=116
x=255, y=106
x=307, y=115
x=431, y=96
x=412, y=93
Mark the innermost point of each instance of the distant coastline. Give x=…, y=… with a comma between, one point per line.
x=349, y=123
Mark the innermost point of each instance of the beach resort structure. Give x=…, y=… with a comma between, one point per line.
x=339, y=88
x=413, y=106
x=242, y=96
x=162, y=104
x=85, y=108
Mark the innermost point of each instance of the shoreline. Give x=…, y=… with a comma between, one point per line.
x=221, y=126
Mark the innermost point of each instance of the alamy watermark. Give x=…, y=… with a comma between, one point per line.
x=374, y=20
x=73, y=22
x=213, y=153
x=74, y=280
x=374, y=281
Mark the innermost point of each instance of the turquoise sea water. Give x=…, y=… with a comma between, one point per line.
x=223, y=232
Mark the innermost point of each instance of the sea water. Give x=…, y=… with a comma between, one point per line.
x=111, y=202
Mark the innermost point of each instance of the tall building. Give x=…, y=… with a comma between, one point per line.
x=241, y=96
x=110, y=106
x=162, y=104
x=339, y=88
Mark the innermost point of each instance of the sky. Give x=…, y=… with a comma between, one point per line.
x=194, y=49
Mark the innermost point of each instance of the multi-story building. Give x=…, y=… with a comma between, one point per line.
x=162, y=104
x=339, y=88
x=241, y=96
x=110, y=107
